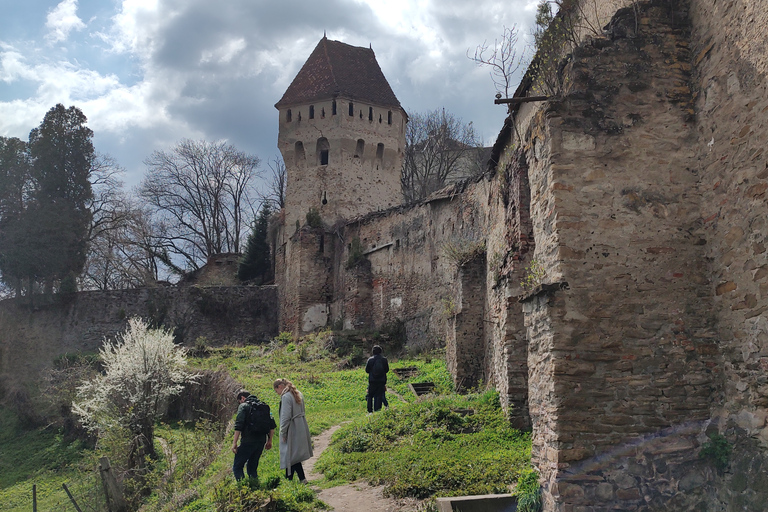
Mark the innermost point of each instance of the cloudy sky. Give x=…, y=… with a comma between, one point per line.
x=148, y=73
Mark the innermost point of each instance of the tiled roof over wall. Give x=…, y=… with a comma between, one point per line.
x=338, y=69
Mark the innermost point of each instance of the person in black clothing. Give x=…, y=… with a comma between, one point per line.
x=377, y=368
x=251, y=443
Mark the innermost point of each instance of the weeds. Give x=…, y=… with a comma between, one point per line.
x=717, y=450
x=431, y=448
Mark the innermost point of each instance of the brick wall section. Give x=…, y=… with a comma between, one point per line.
x=30, y=340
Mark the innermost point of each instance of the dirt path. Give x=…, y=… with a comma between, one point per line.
x=357, y=496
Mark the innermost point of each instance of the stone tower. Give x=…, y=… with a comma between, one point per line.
x=342, y=136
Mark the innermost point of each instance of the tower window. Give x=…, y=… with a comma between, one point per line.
x=299, y=154
x=379, y=154
x=288, y=115
x=333, y=108
x=322, y=113
x=322, y=151
x=379, y=118
x=299, y=119
x=311, y=111
x=351, y=108
x=389, y=117
x=370, y=113
x=359, y=148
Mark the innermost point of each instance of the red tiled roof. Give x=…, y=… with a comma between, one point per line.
x=337, y=69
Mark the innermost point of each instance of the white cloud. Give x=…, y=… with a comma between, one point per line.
x=61, y=20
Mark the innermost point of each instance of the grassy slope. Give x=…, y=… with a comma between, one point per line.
x=333, y=396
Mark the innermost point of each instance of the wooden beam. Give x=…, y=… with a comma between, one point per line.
x=520, y=99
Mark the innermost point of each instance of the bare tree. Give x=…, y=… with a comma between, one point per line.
x=202, y=196
x=501, y=58
x=275, y=189
x=439, y=148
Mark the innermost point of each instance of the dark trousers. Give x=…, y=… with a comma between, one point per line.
x=249, y=453
x=376, y=395
x=298, y=469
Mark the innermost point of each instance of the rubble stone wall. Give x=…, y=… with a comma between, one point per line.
x=32, y=338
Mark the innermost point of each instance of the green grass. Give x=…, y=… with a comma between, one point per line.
x=41, y=457
x=418, y=447
x=432, y=448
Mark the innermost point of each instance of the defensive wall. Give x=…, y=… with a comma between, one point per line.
x=640, y=191
x=31, y=338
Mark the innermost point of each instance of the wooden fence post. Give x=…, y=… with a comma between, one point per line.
x=115, y=500
x=71, y=498
x=34, y=497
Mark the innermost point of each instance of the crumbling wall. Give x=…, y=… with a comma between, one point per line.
x=624, y=360
x=31, y=339
x=730, y=63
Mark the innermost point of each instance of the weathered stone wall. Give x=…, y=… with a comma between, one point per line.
x=730, y=62
x=30, y=340
x=628, y=348
x=641, y=192
x=363, y=154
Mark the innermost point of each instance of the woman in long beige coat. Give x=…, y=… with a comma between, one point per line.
x=295, y=440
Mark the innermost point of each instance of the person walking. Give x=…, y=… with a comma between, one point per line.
x=295, y=439
x=253, y=441
x=376, y=368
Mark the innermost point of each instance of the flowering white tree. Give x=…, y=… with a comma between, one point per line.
x=143, y=369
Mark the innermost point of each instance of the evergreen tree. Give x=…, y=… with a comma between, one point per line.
x=62, y=155
x=256, y=262
x=16, y=247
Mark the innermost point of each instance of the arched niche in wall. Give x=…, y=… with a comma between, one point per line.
x=323, y=148
x=298, y=154
x=379, y=155
x=359, y=148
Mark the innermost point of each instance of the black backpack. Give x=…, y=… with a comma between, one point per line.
x=258, y=419
x=377, y=370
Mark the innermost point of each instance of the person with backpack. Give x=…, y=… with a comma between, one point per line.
x=295, y=439
x=377, y=368
x=254, y=428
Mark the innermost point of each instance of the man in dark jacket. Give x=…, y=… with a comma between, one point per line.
x=376, y=368
x=252, y=444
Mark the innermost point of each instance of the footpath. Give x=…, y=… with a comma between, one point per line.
x=357, y=496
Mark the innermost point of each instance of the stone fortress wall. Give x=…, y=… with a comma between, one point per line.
x=641, y=193
x=32, y=338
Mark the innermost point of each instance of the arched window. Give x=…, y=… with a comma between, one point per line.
x=288, y=115
x=370, y=113
x=322, y=151
x=351, y=109
x=298, y=152
x=359, y=148
x=311, y=111
x=379, y=154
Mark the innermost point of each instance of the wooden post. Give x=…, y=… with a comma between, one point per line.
x=71, y=498
x=115, y=500
x=34, y=497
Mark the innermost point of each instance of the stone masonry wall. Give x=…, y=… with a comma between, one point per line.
x=30, y=340
x=627, y=354
x=730, y=66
